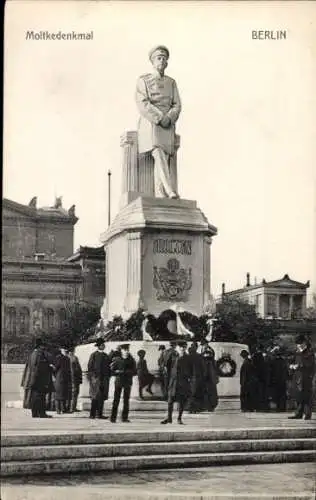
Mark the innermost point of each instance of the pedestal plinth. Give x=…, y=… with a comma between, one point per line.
x=157, y=255
x=227, y=387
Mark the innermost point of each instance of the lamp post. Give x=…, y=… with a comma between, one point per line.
x=109, y=197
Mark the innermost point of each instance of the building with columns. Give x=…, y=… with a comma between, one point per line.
x=283, y=298
x=41, y=276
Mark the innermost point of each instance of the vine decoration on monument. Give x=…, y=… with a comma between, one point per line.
x=236, y=321
x=119, y=329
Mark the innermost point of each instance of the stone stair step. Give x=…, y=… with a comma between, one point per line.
x=18, y=453
x=173, y=433
x=75, y=465
x=139, y=406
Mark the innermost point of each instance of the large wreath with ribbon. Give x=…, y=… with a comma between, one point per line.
x=226, y=366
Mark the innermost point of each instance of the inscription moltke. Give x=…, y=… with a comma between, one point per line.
x=180, y=247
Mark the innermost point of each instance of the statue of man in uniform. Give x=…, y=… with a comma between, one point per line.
x=159, y=104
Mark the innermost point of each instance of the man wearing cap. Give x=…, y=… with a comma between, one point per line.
x=124, y=369
x=166, y=362
x=179, y=370
x=99, y=378
x=304, y=369
x=159, y=104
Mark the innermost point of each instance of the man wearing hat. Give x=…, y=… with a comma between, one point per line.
x=36, y=380
x=159, y=104
x=76, y=378
x=124, y=369
x=248, y=383
x=278, y=375
x=99, y=378
x=304, y=369
x=62, y=372
x=179, y=369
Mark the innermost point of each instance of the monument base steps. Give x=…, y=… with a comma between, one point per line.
x=104, y=451
x=147, y=405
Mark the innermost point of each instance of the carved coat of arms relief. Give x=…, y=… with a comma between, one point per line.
x=172, y=282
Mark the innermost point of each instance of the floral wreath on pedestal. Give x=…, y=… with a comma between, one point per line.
x=226, y=366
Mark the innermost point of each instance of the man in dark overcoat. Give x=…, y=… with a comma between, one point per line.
x=123, y=367
x=99, y=374
x=262, y=380
x=162, y=351
x=195, y=402
x=304, y=369
x=76, y=379
x=179, y=370
x=248, y=383
x=278, y=375
x=62, y=370
x=36, y=381
x=164, y=363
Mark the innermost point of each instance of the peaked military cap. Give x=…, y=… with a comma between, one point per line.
x=160, y=48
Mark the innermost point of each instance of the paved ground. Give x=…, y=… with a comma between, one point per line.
x=286, y=481
x=18, y=421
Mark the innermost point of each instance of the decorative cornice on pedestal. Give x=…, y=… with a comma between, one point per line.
x=159, y=213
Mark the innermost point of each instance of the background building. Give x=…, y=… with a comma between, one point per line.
x=283, y=298
x=41, y=277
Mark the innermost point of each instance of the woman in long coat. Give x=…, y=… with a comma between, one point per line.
x=211, y=379
x=62, y=381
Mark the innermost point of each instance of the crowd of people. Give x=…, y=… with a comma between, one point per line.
x=186, y=375
x=51, y=380
x=270, y=379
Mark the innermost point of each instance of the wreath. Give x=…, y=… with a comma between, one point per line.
x=226, y=366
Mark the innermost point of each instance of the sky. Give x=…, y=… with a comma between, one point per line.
x=248, y=121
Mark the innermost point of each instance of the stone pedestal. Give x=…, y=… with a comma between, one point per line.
x=228, y=387
x=157, y=255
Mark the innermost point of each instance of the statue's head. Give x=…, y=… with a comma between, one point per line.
x=159, y=57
